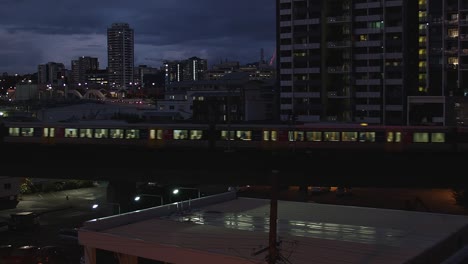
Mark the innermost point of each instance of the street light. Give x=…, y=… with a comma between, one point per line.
x=137, y=198
x=95, y=206
x=176, y=190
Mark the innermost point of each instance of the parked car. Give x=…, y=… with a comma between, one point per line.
x=51, y=255
x=69, y=235
x=319, y=189
x=24, y=221
x=5, y=251
x=22, y=255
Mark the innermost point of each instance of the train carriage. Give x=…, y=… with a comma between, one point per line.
x=240, y=136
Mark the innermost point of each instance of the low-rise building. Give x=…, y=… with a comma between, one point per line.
x=228, y=229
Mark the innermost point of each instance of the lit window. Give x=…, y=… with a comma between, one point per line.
x=116, y=133
x=420, y=137
x=314, y=136
x=86, y=133
x=14, y=131
x=244, y=135
x=196, y=134
x=180, y=134
x=49, y=132
x=132, y=134
x=27, y=131
x=349, y=136
x=101, y=133
x=438, y=137
x=71, y=132
x=332, y=136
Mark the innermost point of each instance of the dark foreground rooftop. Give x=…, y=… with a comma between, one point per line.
x=227, y=229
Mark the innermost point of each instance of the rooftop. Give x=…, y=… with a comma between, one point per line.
x=228, y=229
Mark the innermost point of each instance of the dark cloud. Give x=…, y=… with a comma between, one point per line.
x=213, y=29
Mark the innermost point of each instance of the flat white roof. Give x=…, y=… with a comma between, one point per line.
x=234, y=230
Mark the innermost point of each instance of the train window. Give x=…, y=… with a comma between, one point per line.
x=180, y=134
x=438, y=137
x=49, y=132
x=420, y=137
x=397, y=136
x=27, y=131
x=349, y=136
x=159, y=134
x=156, y=134
x=314, y=136
x=116, y=133
x=101, y=133
x=394, y=137
x=132, y=134
x=296, y=136
x=196, y=134
x=332, y=136
x=270, y=135
x=274, y=135
x=14, y=131
x=86, y=133
x=71, y=132
x=366, y=136
x=244, y=135
x=224, y=135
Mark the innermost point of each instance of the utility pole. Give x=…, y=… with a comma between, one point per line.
x=272, y=249
x=273, y=254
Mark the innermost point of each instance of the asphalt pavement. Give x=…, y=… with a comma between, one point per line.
x=58, y=210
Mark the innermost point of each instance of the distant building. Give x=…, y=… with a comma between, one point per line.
x=80, y=68
x=120, y=54
x=192, y=69
x=232, y=98
x=96, y=79
x=26, y=92
x=256, y=71
x=51, y=73
x=143, y=70
x=174, y=71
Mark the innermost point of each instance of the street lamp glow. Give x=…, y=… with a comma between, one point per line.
x=138, y=198
x=117, y=204
x=176, y=191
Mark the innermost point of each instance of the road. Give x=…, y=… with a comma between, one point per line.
x=56, y=213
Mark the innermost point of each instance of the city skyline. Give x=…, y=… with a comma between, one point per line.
x=176, y=30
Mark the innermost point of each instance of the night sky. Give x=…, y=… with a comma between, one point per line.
x=35, y=32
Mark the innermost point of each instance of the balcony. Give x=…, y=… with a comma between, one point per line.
x=339, y=44
x=339, y=19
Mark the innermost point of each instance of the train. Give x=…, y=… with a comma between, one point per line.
x=241, y=136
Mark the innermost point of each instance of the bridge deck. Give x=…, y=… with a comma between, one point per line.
x=183, y=165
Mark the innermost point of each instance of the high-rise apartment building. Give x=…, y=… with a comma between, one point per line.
x=80, y=68
x=120, y=53
x=443, y=62
x=375, y=61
